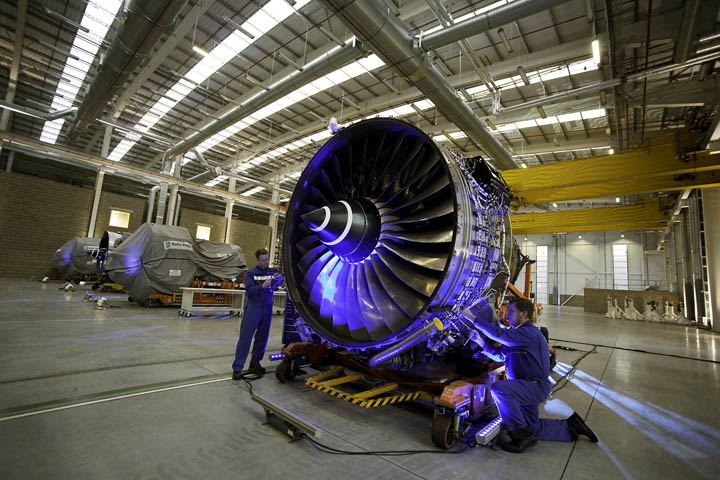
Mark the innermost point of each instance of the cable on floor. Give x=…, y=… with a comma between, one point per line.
x=637, y=350
x=381, y=453
x=567, y=376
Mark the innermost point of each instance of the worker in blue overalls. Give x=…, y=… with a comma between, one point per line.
x=260, y=282
x=524, y=350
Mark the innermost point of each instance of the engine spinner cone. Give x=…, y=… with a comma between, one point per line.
x=350, y=228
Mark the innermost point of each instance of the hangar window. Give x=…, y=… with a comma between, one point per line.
x=542, y=272
x=202, y=232
x=620, y=267
x=119, y=218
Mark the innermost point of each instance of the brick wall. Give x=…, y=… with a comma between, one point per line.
x=191, y=218
x=248, y=236
x=109, y=201
x=37, y=216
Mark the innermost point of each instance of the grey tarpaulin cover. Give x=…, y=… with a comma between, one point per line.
x=165, y=258
x=221, y=260
x=75, y=258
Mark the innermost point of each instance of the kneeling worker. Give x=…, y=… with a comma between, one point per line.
x=260, y=282
x=527, y=364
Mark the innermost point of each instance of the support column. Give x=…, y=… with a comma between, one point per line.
x=711, y=209
x=175, y=169
x=96, y=200
x=9, y=164
x=19, y=35
x=274, y=215
x=686, y=285
x=161, y=203
x=229, y=204
x=104, y=152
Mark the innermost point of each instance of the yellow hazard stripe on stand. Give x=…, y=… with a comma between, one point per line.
x=361, y=401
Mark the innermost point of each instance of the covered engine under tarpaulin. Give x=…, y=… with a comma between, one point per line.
x=216, y=260
x=164, y=259
x=154, y=259
x=76, y=258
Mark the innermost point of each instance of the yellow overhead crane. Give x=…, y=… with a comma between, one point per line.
x=650, y=214
x=662, y=163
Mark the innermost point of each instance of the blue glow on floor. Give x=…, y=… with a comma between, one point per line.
x=675, y=436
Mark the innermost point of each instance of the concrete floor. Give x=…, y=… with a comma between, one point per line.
x=94, y=394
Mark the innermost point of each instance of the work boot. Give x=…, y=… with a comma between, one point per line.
x=522, y=438
x=237, y=375
x=579, y=427
x=256, y=370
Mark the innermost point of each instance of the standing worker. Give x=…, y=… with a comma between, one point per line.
x=524, y=350
x=260, y=282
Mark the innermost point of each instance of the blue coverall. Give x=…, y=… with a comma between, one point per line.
x=256, y=317
x=527, y=365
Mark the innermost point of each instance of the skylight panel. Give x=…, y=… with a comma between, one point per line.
x=547, y=121
x=404, y=110
x=258, y=24
x=526, y=124
x=588, y=114
x=216, y=180
x=85, y=46
x=253, y=191
x=424, y=104
x=300, y=94
x=570, y=117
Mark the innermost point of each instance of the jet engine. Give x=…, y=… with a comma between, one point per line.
x=388, y=236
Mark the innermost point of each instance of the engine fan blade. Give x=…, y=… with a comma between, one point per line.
x=414, y=278
x=438, y=210
x=358, y=328
x=392, y=315
x=422, y=236
x=416, y=256
x=406, y=298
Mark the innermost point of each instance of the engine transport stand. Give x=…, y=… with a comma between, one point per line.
x=464, y=408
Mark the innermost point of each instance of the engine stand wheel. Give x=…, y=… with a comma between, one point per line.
x=443, y=435
x=285, y=371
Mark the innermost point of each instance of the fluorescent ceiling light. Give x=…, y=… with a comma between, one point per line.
x=261, y=22
x=200, y=51
x=96, y=21
x=596, y=51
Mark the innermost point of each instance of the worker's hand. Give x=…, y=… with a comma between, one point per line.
x=468, y=314
x=267, y=283
x=474, y=336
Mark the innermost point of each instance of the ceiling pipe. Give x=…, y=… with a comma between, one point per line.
x=687, y=30
x=596, y=87
x=373, y=22
x=134, y=130
x=145, y=22
x=242, y=178
x=709, y=38
x=328, y=63
x=36, y=148
x=485, y=22
x=31, y=112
